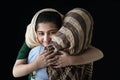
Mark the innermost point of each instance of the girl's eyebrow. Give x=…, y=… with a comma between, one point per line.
x=39, y=31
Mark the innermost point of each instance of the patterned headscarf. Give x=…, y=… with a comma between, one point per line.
x=74, y=36
x=30, y=35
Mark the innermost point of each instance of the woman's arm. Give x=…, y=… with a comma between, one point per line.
x=90, y=55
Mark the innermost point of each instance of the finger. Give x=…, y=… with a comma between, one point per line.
x=55, y=59
x=47, y=53
x=62, y=52
x=52, y=63
x=57, y=66
x=52, y=55
x=58, y=62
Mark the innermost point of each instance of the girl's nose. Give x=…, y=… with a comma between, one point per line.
x=46, y=37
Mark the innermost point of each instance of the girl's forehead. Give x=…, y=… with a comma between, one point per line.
x=46, y=26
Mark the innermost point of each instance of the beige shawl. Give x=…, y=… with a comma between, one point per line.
x=30, y=35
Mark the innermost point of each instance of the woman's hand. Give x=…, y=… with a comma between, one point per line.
x=62, y=60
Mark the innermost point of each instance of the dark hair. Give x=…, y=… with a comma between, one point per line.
x=49, y=16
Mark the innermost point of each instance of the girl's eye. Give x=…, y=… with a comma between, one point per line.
x=41, y=33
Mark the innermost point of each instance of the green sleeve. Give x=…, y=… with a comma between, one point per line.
x=23, y=52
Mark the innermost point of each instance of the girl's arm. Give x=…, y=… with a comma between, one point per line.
x=21, y=68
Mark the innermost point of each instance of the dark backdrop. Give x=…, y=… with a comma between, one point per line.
x=16, y=15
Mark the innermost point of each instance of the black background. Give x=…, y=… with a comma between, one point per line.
x=16, y=15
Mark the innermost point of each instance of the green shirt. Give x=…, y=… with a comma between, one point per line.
x=23, y=52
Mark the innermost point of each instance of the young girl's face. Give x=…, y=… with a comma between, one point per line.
x=45, y=31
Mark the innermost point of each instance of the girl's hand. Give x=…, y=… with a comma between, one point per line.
x=45, y=59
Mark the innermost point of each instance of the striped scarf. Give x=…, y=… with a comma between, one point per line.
x=74, y=36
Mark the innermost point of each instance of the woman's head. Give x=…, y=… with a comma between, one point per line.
x=44, y=21
x=76, y=31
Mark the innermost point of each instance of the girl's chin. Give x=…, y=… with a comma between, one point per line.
x=46, y=45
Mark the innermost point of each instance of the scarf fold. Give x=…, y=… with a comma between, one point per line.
x=74, y=36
